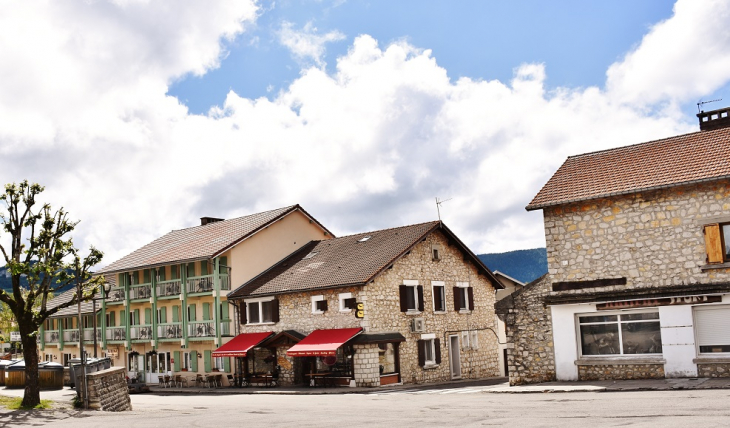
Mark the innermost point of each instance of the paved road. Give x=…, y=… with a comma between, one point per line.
x=440, y=407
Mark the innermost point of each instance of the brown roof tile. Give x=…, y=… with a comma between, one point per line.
x=342, y=261
x=684, y=159
x=199, y=242
x=73, y=310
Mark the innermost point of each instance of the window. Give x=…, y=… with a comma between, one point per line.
x=347, y=302
x=717, y=242
x=436, y=252
x=620, y=334
x=712, y=329
x=411, y=297
x=219, y=363
x=429, y=351
x=162, y=315
x=186, y=361
x=259, y=311
x=319, y=304
x=364, y=238
x=439, y=296
x=463, y=297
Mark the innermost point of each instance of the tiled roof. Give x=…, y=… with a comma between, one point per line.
x=684, y=159
x=349, y=260
x=199, y=242
x=73, y=310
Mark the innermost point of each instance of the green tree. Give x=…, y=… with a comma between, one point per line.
x=40, y=249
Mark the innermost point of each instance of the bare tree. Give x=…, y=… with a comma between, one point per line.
x=41, y=250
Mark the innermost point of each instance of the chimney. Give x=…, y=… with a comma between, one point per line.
x=714, y=119
x=208, y=220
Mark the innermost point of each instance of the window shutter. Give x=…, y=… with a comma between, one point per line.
x=112, y=320
x=421, y=353
x=419, y=289
x=163, y=315
x=136, y=277
x=224, y=311
x=161, y=273
x=123, y=320
x=175, y=314
x=244, y=318
x=194, y=361
x=457, y=298
x=206, y=360
x=403, y=298
x=227, y=365
x=437, y=348
x=191, y=312
x=147, y=276
x=222, y=265
x=470, y=290
x=148, y=316
x=174, y=273
x=713, y=243
x=136, y=317
x=713, y=326
x=275, y=310
x=121, y=279
x=191, y=269
x=204, y=267
x=206, y=311
x=176, y=365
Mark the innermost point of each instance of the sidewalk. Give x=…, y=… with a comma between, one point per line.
x=617, y=385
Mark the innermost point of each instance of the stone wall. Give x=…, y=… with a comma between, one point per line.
x=107, y=390
x=621, y=371
x=528, y=323
x=366, y=365
x=713, y=370
x=652, y=238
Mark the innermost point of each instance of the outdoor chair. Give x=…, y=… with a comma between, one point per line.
x=219, y=380
x=168, y=381
x=199, y=380
x=161, y=381
x=231, y=381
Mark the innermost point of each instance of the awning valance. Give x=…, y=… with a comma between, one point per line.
x=241, y=344
x=322, y=342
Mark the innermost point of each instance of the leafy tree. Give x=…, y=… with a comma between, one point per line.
x=40, y=249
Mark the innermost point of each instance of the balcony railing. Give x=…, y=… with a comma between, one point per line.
x=89, y=334
x=201, y=329
x=138, y=332
x=71, y=336
x=142, y=291
x=168, y=288
x=201, y=284
x=169, y=331
x=116, y=333
x=115, y=295
x=225, y=282
x=225, y=328
x=51, y=336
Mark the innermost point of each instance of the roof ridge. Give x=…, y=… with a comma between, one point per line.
x=386, y=229
x=640, y=144
x=237, y=218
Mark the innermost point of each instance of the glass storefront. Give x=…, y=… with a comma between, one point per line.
x=620, y=334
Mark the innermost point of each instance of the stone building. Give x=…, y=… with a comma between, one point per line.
x=410, y=304
x=638, y=246
x=167, y=306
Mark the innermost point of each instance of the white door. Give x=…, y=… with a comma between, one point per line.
x=454, y=357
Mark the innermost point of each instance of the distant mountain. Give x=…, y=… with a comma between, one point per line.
x=522, y=265
x=7, y=285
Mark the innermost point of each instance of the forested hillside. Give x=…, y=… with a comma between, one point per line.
x=522, y=265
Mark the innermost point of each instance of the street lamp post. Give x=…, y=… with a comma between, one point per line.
x=106, y=288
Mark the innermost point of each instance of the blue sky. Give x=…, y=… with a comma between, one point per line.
x=576, y=40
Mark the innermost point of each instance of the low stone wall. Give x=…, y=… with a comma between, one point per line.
x=107, y=390
x=366, y=365
x=713, y=370
x=622, y=372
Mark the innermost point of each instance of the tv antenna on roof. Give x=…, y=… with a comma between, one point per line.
x=701, y=103
x=438, y=206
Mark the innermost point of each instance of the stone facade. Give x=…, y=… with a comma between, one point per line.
x=530, y=356
x=383, y=315
x=621, y=371
x=713, y=369
x=108, y=390
x=366, y=365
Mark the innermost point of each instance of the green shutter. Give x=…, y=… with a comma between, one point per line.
x=147, y=276
x=191, y=312
x=163, y=315
x=204, y=267
x=194, y=361
x=191, y=269
x=227, y=365
x=123, y=318
x=206, y=311
x=136, y=317
x=207, y=360
x=176, y=364
x=111, y=319
x=122, y=277
x=175, y=313
x=174, y=272
x=161, y=273
x=224, y=310
x=222, y=265
x=98, y=320
x=148, y=316
x=136, y=277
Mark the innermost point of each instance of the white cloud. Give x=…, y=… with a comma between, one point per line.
x=307, y=45
x=85, y=113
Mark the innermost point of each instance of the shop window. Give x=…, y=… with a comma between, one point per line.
x=386, y=358
x=463, y=297
x=620, y=334
x=712, y=329
x=319, y=304
x=261, y=311
x=186, y=361
x=347, y=302
x=219, y=363
x=429, y=350
x=717, y=242
x=411, y=297
x=439, y=296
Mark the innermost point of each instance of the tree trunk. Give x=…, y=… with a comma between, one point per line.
x=32, y=396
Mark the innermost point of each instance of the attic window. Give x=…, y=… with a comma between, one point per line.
x=364, y=238
x=310, y=255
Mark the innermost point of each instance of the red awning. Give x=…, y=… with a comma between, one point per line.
x=239, y=345
x=322, y=342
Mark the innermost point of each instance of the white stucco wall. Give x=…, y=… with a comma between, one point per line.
x=565, y=339
x=678, y=341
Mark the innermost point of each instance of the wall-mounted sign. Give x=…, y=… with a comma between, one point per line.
x=112, y=352
x=15, y=336
x=359, y=310
x=667, y=301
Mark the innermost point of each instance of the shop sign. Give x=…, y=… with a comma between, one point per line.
x=359, y=310
x=112, y=352
x=283, y=362
x=650, y=303
x=15, y=336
